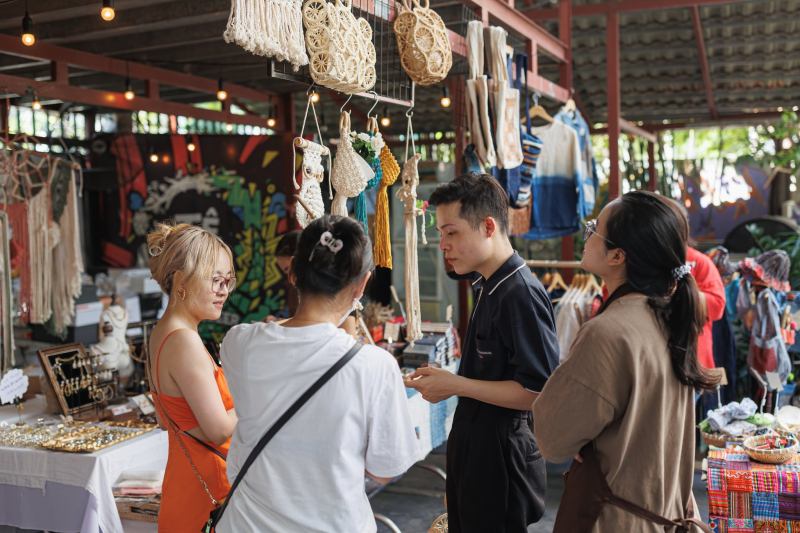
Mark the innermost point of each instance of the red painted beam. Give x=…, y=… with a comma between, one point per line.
x=702, y=57
x=565, y=35
x=631, y=128
x=11, y=44
x=114, y=100
x=624, y=6
x=613, y=95
x=522, y=25
x=700, y=123
x=652, y=184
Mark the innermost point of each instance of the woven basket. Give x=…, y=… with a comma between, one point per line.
x=720, y=440
x=769, y=456
x=341, y=53
x=439, y=525
x=422, y=40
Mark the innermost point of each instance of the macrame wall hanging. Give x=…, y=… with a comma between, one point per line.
x=269, y=28
x=350, y=173
x=40, y=197
x=341, y=53
x=6, y=302
x=310, y=195
x=409, y=178
x=422, y=40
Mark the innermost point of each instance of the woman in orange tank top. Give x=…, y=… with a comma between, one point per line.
x=193, y=403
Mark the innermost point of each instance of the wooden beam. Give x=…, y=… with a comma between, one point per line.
x=565, y=34
x=116, y=100
x=522, y=25
x=59, y=72
x=702, y=57
x=613, y=95
x=624, y=6
x=652, y=184
x=11, y=44
x=733, y=118
x=633, y=129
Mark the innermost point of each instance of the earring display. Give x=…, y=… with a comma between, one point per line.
x=78, y=378
x=73, y=437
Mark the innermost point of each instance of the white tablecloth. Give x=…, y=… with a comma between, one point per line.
x=49, y=477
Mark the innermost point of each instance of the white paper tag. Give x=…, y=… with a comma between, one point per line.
x=13, y=385
x=144, y=404
x=391, y=331
x=117, y=410
x=774, y=381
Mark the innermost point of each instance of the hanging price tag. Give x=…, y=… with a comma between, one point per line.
x=774, y=381
x=13, y=385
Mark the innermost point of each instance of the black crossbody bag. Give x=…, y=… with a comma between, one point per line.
x=216, y=514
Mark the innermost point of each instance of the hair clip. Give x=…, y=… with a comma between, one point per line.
x=327, y=240
x=681, y=272
x=156, y=249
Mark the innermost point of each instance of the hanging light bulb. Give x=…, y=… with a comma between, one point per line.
x=271, y=120
x=315, y=97
x=229, y=127
x=190, y=144
x=386, y=121
x=222, y=94
x=36, y=104
x=28, y=37
x=108, y=13
x=129, y=94
x=445, y=100
x=153, y=156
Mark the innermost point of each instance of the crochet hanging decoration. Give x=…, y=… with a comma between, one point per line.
x=269, y=28
x=350, y=173
x=341, y=52
x=422, y=40
x=382, y=243
x=310, y=195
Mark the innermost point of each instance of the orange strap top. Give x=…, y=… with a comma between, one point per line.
x=177, y=407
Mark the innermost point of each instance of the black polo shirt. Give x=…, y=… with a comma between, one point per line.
x=512, y=333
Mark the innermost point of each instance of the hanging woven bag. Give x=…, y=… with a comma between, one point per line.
x=422, y=40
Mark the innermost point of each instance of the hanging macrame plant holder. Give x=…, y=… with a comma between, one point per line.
x=269, y=28
x=422, y=40
x=409, y=178
x=350, y=173
x=310, y=192
x=341, y=53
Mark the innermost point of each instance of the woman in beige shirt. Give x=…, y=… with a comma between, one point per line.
x=627, y=387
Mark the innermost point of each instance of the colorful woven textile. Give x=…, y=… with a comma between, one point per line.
x=752, y=497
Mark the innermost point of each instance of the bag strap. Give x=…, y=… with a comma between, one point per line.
x=280, y=423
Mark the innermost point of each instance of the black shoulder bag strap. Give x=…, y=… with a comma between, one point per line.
x=216, y=514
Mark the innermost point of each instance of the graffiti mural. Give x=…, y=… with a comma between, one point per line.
x=235, y=187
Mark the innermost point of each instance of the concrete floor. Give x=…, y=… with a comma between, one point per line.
x=417, y=498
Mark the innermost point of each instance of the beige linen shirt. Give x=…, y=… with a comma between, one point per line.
x=618, y=388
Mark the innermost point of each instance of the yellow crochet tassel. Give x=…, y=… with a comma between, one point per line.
x=382, y=246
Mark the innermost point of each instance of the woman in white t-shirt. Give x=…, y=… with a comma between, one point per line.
x=310, y=477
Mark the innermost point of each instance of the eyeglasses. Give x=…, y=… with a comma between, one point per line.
x=220, y=282
x=590, y=228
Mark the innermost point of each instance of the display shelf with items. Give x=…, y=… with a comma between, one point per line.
x=79, y=383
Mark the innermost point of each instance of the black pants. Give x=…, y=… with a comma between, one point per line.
x=496, y=476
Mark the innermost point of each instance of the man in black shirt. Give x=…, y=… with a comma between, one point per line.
x=495, y=474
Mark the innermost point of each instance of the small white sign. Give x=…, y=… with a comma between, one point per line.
x=774, y=381
x=117, y=410
x=144, y=404
x=13, y=385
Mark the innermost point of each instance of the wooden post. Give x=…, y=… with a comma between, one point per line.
x=613, y=94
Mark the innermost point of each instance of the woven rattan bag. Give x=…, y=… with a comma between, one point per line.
x=341, y=53
x=425, y=51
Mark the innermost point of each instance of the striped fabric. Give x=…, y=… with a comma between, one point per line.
x=718, y=524
x=789, y=481
x=789, y=506
x=718, y=502
x=716, y=479
x=740, y=505
x=739, y=480
x=766, y=481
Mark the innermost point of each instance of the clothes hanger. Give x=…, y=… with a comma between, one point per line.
x=345, y=103
x=537, y=111
x=557, y=283
x=594, y=286
x=372, y=122
x=570, y=106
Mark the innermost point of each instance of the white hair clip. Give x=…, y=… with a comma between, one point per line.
x=327, y=240
x=681, y=272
